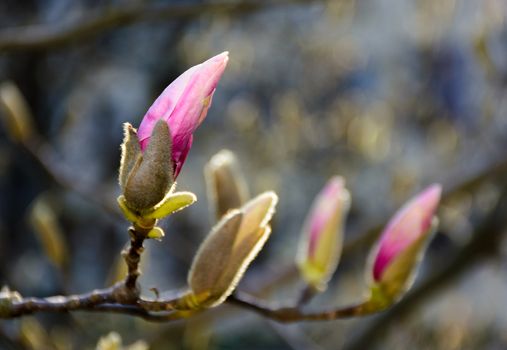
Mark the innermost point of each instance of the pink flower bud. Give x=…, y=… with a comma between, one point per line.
x=183, y=105
x=322, y=236
x=410, y=223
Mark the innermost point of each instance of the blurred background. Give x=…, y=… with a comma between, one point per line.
x=391, y=95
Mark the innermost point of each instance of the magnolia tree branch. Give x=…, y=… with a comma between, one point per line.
x=132, y=257
x=93, y=23
x=26, y=306
x=296, y=314
x=124, y=297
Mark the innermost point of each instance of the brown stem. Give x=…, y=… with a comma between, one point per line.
x=306, y=295
x=27, y=306
x=96, y=301
x=159, y=305
x=132, y=257
x=295, y=314
x=137, y=311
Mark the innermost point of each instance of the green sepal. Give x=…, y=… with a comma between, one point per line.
x=379, y=300
x=171, y=203
x=192, y=301
x=156, y=233
x=126, y=211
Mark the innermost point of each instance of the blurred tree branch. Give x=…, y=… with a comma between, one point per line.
x=125, y=297
x=485, y=243
x=93, y=23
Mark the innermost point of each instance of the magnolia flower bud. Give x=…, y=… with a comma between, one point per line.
x=152, y=157
x=226, y=185
x=226, y=253
x=395, y=258
x=183, y=106
x=322, y=237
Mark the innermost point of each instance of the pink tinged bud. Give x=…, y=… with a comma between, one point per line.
x=322, y=237
x=407, y=227
x=183, y=105
x=326, y=204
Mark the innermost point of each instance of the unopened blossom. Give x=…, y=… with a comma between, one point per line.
x=183, y=106
x=322, y=236
x=225, y=254
x=152, y=156
x=406, y=227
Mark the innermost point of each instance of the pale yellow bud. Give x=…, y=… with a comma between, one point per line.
x=226, y=185
x=227, y=251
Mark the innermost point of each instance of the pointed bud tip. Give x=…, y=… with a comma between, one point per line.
x=407, y=226
x=334, y=186
x=272, y=198
x=222, y=158
x=431, y=195
x=224, y=57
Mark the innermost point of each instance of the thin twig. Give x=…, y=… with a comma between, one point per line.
x=27, y=306
x=137, y=311
x=124, y=297
x=90, y=303
x=294, y=314
x=93, y=23
x=132, y=258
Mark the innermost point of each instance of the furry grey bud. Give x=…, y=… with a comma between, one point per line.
x=151, y=176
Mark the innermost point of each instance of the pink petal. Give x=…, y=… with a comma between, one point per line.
x=324, y=207
x=181, y=155
x=184, y=104
x=163, y=106
x=407, y=226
